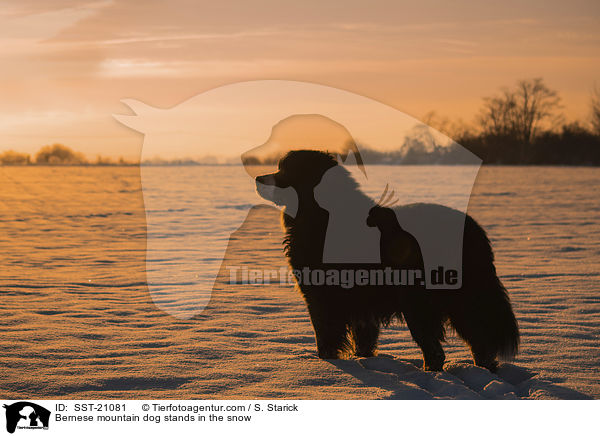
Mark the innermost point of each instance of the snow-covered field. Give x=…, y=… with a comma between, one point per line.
x=78, y=321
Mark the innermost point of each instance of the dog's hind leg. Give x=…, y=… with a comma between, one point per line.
x=484, y=357
x=365, y=333
x=427, y=332
x=474, y=329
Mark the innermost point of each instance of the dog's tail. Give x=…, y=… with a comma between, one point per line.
x=504, y=329
x=502, y=326
x=486, y=319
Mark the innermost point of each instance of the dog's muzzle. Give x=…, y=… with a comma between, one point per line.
x=266, y=188
x=267, y=179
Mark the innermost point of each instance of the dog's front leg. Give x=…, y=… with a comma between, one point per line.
x=331, y=330
x=365, y=333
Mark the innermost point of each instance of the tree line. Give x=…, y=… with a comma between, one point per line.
x=57, y=154
x=524, y=125
x=520, y=125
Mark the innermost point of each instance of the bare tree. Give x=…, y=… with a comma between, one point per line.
x=454, y=129
x=596, y=110
x=520, y=112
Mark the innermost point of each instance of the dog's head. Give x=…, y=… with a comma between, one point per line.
x=382, y=218
x=298, y=173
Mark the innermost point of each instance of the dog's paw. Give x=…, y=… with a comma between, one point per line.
x=328, y=355
x=433, y=366
x=491, y=366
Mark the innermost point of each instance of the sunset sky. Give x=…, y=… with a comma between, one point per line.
x=67, y=64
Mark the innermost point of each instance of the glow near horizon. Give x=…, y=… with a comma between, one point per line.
x=67, y=64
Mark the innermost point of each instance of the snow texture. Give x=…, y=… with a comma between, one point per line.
x=77, y=319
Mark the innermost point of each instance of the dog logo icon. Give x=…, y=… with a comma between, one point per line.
x=26, y=415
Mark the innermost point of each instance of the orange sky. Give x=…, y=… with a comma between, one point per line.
x=67, y=64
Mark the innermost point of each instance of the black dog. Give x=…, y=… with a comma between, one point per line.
x=348, y=320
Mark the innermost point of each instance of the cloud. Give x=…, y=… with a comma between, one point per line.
x=43, y=23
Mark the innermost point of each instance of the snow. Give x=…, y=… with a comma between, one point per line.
x=78, y=320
